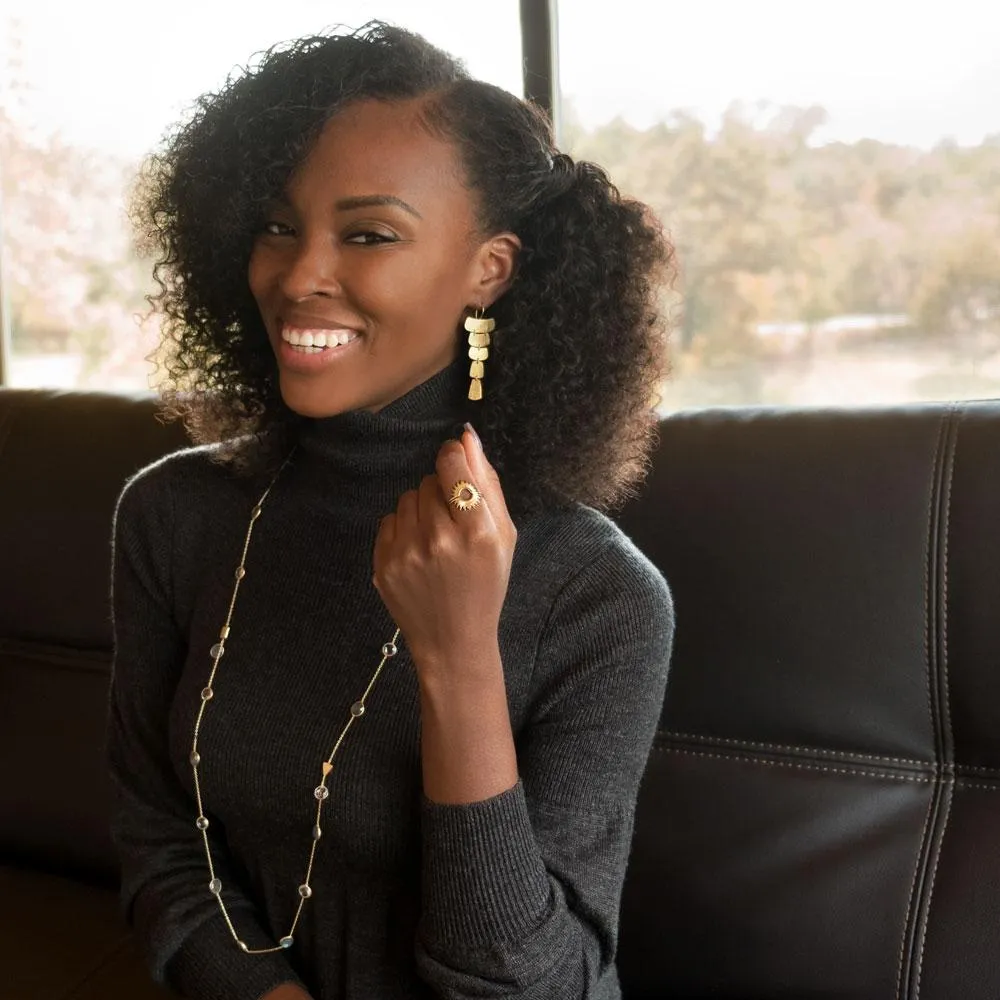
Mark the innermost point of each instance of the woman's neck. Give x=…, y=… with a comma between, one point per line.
x=364, y=461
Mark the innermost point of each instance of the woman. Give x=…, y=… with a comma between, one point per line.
x=363, y=744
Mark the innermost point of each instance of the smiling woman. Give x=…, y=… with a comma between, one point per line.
x=248, y=186
x=385, y=682
x=389, y=272
x=83, y=97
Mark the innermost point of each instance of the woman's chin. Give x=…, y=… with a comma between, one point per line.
x=311, y=401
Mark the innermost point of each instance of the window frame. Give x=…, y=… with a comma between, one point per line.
x=5, y=330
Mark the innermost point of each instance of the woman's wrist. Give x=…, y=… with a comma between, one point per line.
x=466, y=743
x=460, y=668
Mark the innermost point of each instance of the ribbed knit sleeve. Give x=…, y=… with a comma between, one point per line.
x=164, y=875
x=521, y=892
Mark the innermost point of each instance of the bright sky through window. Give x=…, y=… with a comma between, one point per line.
x=113, y=73
x=899, y=71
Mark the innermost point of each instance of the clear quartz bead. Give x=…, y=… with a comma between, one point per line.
x=215, y=886
x=217, y=650
x=389, y=649
x=240, y=572
x=321, y=792
x=287, y=941
x=201, y=822
x=195, y=758
x=358, y=709
x=206, y=694
x=316, y=832
x=305, y=891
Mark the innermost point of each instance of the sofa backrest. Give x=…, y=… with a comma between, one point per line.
x=64, y=458
x=821, y=814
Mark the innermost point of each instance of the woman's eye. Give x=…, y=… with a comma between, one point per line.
x=369, y=238
x=272, y=228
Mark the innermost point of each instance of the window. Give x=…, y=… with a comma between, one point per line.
x=830, y=176
x=85, y=91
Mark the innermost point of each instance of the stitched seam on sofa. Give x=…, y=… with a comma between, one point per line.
x=942, y=702
x=930, y=891
x=944, y=687
x=910, y=928
x=948, y=749
x=928, y=652
x=791, y=748
x=978, y=785
x=934, y=552
x=907, y=916
x=919, y=779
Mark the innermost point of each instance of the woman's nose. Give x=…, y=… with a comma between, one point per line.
x=312, y=268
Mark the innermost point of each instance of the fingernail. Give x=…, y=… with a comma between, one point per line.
x=472, y=431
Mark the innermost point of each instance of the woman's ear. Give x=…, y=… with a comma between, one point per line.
x=496, y=262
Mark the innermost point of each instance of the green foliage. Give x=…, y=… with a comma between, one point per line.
x=771, y=227
x=73, y=283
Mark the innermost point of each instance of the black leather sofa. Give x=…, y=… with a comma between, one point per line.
x=821, y=813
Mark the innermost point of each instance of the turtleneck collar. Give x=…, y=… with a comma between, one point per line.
x=364, y=461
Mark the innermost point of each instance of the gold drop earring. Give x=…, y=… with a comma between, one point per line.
x=480, y=328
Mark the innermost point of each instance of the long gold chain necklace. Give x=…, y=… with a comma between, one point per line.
x=320, y=792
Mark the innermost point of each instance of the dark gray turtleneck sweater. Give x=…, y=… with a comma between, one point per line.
x=516, y=896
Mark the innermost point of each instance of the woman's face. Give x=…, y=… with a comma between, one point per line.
x=364, y=269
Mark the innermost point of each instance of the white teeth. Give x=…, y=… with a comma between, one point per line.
x=317, y=338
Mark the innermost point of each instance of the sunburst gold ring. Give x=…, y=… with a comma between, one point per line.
x=465, y=496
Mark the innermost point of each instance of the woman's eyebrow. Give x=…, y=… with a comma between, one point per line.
x=368, y=200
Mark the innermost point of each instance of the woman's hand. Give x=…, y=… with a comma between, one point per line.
x=443, y=572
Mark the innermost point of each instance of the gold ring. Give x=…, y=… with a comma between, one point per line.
x=465, y=496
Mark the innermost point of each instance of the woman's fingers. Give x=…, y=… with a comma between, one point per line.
x=488, y=480
x=407, y=512
x=441, y=571
x=452, y=469
x=384, y=541
x=393, y=528
x=431, y=507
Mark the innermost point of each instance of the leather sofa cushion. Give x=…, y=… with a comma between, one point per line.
x=64, y=458
x=820, y=813
x=54, y=806
x=64, y=939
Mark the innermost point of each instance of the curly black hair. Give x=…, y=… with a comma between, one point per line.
x=568, y=414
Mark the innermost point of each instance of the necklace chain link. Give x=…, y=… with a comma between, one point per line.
x=320, y=792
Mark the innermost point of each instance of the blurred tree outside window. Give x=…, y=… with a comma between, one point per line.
x=86, y=91
x=830, y=178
